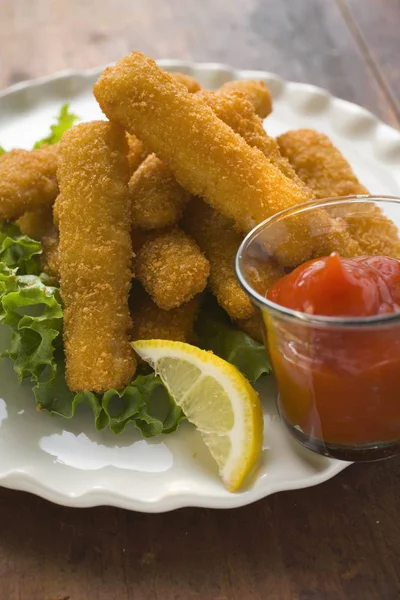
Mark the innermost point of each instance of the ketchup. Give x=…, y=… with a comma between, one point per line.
x=339, y=384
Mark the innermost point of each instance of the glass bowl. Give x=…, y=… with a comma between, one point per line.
x=338, y=378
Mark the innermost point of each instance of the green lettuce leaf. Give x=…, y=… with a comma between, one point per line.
x=31, y=308
x=216, y=333
x=144, y=403
x=19, y=251
x=33, y=311
x=53, y=394
x=64, y=121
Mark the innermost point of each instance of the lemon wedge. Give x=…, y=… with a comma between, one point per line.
x=216, y=398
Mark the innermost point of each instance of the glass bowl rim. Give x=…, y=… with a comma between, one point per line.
x=305, y=318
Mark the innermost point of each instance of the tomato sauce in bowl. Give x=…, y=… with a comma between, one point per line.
x=339, y=386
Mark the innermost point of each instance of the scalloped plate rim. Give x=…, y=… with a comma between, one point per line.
x=101, y=495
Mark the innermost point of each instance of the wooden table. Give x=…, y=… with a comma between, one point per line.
x=340, y=540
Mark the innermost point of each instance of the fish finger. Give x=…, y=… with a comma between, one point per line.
x=220, y=242
x=256, y=91
x=157, y=198
x=213, y=232
x=207, y=158
x=190, y=83
x=49, y=259
x=95, y=255
x=28, y=181
x=319, y=164
x=36, y=223
x=172, y=269
x=327, y=173
x=153, y=323
x=137, y=152
x=235, y=109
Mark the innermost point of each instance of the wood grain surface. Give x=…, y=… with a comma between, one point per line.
x=338, y=541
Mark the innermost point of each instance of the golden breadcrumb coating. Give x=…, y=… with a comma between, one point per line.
x=214, y=233
x=140, y=237
x=27, y=181
x=157, y=198
x=376, y=234
x=56, y=207
x=49, y=258
x=327, y=173
x=256, y=91
x=95, y=255
x=220, y=242
x=172, y=269
x=190, y=83
x=205, y=155
x=36, y=223
x=319, y=164
x=153, y=323
x=234, y=108
x=254, y=327
x=137, y=152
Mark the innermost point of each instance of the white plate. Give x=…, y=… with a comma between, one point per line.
x=68, y=461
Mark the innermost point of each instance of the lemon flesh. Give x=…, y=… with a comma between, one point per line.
x=216, y=398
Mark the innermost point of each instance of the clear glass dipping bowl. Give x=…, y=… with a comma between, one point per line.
x=338, y=378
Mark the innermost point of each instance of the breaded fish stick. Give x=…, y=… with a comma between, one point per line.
x=153, y=323
x=190, y=83
x=235, y=109
x=172, y=269
x=27, y=181
x=50, y=255
x=214, y=233
x=327, y=173
x=205, y=155
x=256, y=92
x=95, y=256
x=319, y=164
x=220, y=242
x=36, y=223
x=56, y=211
x=137, y=152
x=157, y=198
